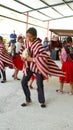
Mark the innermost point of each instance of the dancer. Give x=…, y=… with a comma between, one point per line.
x=17, y=59
x=67, y=65
x=5, y=59
x=39, y=63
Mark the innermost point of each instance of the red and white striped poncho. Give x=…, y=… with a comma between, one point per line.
x=42, y=63
x=5, y=59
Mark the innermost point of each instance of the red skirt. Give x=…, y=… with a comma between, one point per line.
x=33, y=77
x=67, y=67
x=18, y=62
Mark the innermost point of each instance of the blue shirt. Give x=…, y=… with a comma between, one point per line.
x=13, y=36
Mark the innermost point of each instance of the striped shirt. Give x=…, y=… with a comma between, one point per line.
x=5, y=59
x=42, y=63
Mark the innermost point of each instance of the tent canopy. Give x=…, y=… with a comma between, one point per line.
x=44, y=10
x=62, y=32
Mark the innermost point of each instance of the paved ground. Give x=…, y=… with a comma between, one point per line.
x=58, y=115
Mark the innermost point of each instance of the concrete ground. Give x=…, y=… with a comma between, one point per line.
x=58, y=115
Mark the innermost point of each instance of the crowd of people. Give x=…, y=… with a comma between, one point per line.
x=29, y=55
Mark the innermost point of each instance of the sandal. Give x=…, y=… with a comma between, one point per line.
x=13, y=75
x=59, y=91
x=17, y=79
x=30, y=87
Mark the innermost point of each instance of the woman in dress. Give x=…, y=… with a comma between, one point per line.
x=18, y=62
x=67, y=65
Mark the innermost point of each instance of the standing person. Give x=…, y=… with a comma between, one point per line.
x=39, y=63
x=13, y=37
x=16, y=58
x=46, y=44
x=12, y=42
x=67, y=65
x=5, y=59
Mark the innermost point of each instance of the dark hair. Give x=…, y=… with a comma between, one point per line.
x=20, y=37
x=32, y=31
x=69, y=39
x=1, y=38
x=64, y=43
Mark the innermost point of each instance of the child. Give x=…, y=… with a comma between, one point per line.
x=67, y=65
x=17, y=59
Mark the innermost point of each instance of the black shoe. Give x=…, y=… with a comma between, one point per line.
x=43, y=105
x=25, y=104
x=3, y=81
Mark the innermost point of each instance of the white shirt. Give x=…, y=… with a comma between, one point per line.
x=18, y=46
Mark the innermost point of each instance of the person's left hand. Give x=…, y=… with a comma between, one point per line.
x=30, y=59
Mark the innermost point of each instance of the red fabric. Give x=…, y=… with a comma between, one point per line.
x=18, y=62
x=33, y=77
x=67, y=67
x=42, y=63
